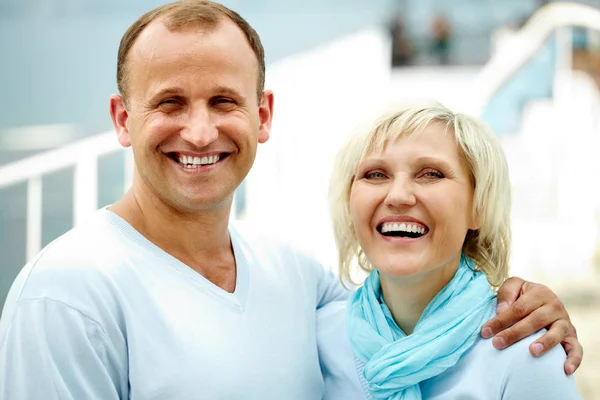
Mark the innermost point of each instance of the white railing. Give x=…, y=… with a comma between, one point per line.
x=83, y=156
x=524, y=44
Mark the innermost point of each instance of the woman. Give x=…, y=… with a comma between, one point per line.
x=421, y=201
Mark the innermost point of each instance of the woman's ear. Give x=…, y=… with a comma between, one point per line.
x=476, y=220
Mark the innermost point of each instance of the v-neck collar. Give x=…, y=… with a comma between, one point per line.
x=239, y=295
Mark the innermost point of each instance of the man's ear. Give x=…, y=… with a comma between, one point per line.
x=119, y=115
x=265, y=113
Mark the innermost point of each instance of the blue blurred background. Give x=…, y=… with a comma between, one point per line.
x=530, y=68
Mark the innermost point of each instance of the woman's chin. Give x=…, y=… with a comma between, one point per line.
x=402, y=271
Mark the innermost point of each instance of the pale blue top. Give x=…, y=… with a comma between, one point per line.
x=102, y=313
x=482, y=373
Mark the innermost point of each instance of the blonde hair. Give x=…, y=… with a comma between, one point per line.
x=488, y=246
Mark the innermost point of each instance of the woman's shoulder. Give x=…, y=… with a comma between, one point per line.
x=543, y=377
x=512, y=373
x=520, y=375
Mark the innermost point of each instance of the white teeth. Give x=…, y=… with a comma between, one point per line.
x=402, y=227
x=195, y=162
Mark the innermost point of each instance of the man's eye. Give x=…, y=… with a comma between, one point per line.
x=223, y=100
x=169, y=104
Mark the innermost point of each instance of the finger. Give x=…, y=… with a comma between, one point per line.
x=509, y=292
x=519, y=310
x=574, y=352
x=557, y=333
x=526, y=326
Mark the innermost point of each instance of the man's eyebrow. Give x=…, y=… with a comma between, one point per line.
x=171, y=90
x=226, y=90
x=219, y=91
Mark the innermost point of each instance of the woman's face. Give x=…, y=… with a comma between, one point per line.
x=411, y=205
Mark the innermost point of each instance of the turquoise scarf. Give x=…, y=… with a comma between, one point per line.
x=395, y=364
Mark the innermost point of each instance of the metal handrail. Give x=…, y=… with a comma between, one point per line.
x=57, y=159
x=83, y=156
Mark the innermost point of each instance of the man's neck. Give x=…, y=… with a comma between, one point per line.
x=198, y=239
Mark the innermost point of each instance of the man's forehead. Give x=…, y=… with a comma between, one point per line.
x=158, y=32
x=163, y=29
x=159, y=40
x=165, y=57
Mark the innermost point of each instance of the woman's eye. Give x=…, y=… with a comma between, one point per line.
x=432, y=173
x=374, y=175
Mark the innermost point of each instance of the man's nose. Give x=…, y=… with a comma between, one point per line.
x=401, y=192
x=200, y=129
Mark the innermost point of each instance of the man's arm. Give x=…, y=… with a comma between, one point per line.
x=329, y=288
x=336, y=358
x=52, y=351
x=523, y=309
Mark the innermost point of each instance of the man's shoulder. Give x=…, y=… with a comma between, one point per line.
x=80, y=259
x=268, y=242
x=265, y=247
x=255, y=233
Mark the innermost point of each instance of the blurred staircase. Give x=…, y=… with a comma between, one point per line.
x=556, y=199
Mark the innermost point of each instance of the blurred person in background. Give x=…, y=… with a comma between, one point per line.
x=402, y=49
x=441, y=39
x=159, y=295
x=421, y=200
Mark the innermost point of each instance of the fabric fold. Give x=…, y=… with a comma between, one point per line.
x=395, y=363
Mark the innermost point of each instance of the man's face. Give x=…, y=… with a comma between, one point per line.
x=193, y=118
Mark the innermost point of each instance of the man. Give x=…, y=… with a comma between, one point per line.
x=159, y=296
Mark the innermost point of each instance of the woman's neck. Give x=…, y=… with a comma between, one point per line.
x=407, y=297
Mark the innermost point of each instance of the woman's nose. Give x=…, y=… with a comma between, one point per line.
x=401, y=193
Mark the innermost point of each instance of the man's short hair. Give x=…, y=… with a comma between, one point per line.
x=180, y=14
x=488, y=246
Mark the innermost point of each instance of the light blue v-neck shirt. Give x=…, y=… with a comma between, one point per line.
x=103, y=313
